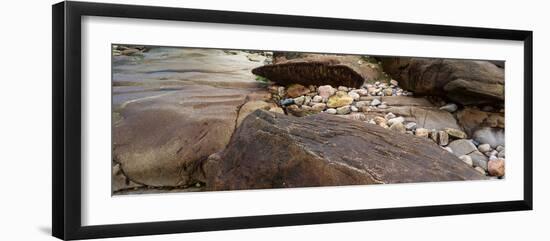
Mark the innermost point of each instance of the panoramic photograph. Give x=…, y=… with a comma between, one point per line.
x=188, y=119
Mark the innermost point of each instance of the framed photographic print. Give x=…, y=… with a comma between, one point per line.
x=212, y=120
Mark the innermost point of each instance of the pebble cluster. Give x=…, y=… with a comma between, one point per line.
x=352, y=103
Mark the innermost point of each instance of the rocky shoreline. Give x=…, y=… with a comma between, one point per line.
x=181, y=118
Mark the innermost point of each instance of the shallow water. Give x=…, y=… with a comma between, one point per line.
x=163, y=69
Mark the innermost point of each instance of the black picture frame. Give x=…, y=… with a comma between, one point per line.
x=66, y=127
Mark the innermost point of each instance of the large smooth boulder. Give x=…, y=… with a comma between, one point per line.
x=271, y=150
x=463, y=81
x=317, y=69
x=160, y=140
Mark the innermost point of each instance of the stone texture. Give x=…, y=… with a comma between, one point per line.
x=160, y=140
x=296, y=90
x=317, y=69
x=463, y=81
x=340, y=99
x=496, y=167
x=274, y=151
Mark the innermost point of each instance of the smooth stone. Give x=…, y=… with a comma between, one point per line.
x=394, y=82
x=479, y=159
x=295, y=90
x=462, y=147
x=340, y=99
x=383, y=106
x=343, y=110
x=501, y=154
x=331, y=111
x=499, y=148
x=325, y=91
x=354, y=109
x=375, y=102
x=319, y=107
x=455, y=133
x=396, y=120
x=354, y=95
x=388, y=92
x=410, y=125
x=390, y=116
x=496, y=167
x=451, y=107
x=343, y=88
x=484, y=148
x=307, y=100
x=287, y=102
x=317, y=99
x=361, y=104
x=299, y=100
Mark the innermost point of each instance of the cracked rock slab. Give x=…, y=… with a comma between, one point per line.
x=271, y=150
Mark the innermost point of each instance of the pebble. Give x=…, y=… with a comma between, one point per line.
x=317, y=99
x=501, y=154
x=496, y=167
x=295, y=90
x=500, y=148
x=354, y=109
x=383, y=106
x=354, y=95
x=390, y=116
x=331, y=111
x=375, y=102
x=343, y=88
x=287, y=102
x=484, y=147
x=451, y=107
x=362, y=92
x=339, y=99
x=466, y=159
x=343, y=110
x=422, y=132
x=394, y=82
x=326, y=91
x=299, y=100
x=360, y=104
x=410, y=125
x=388, y=92
x=307, y=100
x=396, y=120
x=319, y=107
